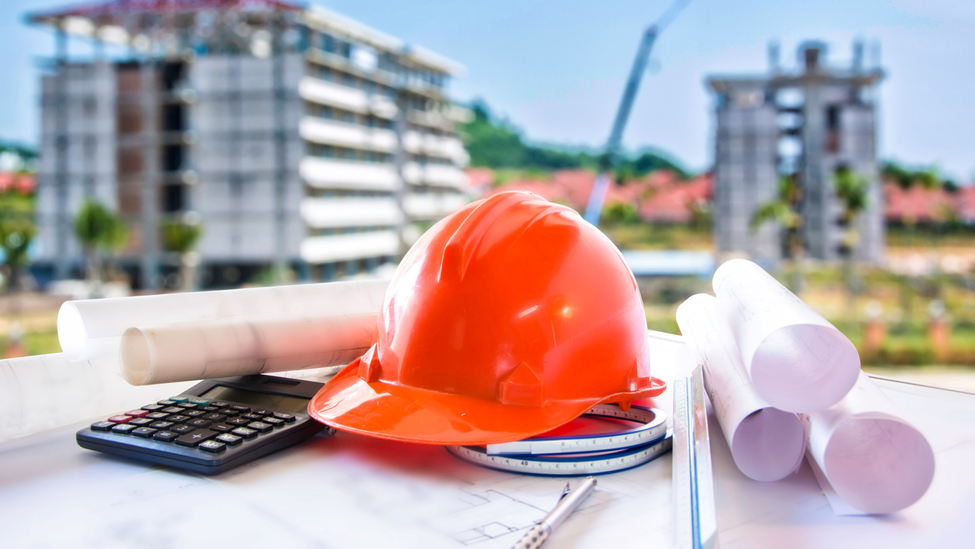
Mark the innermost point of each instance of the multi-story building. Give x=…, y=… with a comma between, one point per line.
x=297, y=137
x=806, y=123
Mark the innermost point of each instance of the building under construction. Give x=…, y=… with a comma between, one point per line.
x=807, y=124
x=297, y=137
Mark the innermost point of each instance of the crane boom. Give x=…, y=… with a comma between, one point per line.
x=595, y=206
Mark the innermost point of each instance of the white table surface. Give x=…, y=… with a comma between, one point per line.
x=351, y=491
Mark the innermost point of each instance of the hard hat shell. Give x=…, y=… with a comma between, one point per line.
x=506, y=319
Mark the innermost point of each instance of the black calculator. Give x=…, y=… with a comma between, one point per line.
x=216, y=425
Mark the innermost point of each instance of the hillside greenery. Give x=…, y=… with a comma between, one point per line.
x=495, y=143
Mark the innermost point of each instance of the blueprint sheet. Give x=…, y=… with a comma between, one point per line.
x=350, y=491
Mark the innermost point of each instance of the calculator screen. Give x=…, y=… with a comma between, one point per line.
x=265, y=400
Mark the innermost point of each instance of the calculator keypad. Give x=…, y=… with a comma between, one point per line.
x=210, y=426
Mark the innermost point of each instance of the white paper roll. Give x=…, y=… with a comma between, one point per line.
x=873, y=459
x=93, y=328
x=205, y=350
x=796, y=359
x=767, y=444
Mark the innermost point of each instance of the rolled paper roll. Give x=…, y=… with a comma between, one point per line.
x=873, y=459
x=797, y=361
x=205, y=350
x=39, y=393
x=767, y=444
x=92, y=329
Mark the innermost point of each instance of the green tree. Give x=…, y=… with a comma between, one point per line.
x=99, y=229
x=619, y=213
x=17, y=230
x=180, y=236
x=497, y=144
x=783, y=210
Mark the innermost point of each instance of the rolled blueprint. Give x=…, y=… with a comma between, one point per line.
x=93, y=328
x=39, y=393
x=796, y=359
x=205, y=350
x=767, y=444
x=872, y=458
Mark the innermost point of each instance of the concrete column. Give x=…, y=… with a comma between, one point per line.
x=62, y=217
x=150, y=177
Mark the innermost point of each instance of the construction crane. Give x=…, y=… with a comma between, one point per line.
x=608, y=159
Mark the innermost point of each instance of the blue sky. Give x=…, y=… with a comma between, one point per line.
x=557, y=68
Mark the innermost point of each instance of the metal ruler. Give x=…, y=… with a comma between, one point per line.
x=580, y=455
x=697, y=526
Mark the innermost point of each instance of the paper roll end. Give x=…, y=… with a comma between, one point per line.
x=71, y=332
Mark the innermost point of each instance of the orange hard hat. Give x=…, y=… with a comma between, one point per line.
x=506, y=319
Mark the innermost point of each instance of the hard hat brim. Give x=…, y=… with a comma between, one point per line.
x=410, y=414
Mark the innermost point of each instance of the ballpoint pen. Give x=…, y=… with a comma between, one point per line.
x=566, y=505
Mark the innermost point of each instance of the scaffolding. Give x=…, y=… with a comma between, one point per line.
x=150, y=140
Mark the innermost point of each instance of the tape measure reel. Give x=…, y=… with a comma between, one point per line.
x=582, y=454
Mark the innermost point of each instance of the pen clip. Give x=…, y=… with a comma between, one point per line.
x=565, y=492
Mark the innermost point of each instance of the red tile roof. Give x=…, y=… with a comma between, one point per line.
x=22, y=183
x=660, y=197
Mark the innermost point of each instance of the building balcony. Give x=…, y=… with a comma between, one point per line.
x=327, y=93
x=322, y=213
x=435, y=174
x=433, y=206
x=327, y=173
x=345, y=247
x=342, y=134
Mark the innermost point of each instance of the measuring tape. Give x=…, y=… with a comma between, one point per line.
x=579, y=455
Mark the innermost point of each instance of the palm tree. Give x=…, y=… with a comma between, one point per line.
x=783, y=210
x=852, y=191
x=98, y=229
x=17, y=229
x=181, y=236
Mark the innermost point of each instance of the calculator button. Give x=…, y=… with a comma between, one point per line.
x=186, y=405
x=140, y=421
x=178, y=399
x=123, y=429
x=221, y=427
x=209, y=408
x=102, y=426
x=250, y=416
x=172, y=410
x=165, y=436
x=262, y=412
x=214, y=417
x=194, y=413
x=143, y=432
x=231, y=440
x=212, y=446
x=259, y=426
x=178, y=418
x=183, y=429
x=137, y=413
x=275, y=422
x=219, y=403
x=157, y=415
x=244, y=432
x=196, y=437
x=229, y=412
x=152, y=407
x=166, y=403
x=162, y=425
x=120, y=419
x=238, y=421
x=198, y=423
x=286, y=417
x=199, y=401
x=240, y=408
